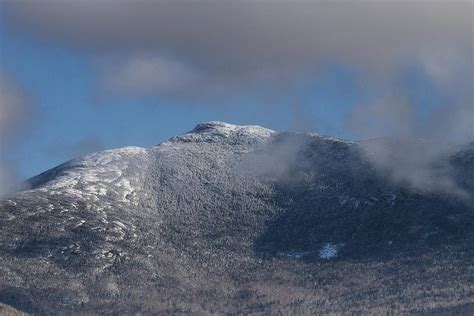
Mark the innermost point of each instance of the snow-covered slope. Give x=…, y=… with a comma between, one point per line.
x=216, y=131
x=115, y=173
x=234, y=219
x=119, y=167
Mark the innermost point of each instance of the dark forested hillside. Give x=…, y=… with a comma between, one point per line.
x=237, y=219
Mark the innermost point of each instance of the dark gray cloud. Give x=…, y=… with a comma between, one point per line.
x=202, y=44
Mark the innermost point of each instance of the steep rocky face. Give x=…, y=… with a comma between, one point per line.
x=230, y=218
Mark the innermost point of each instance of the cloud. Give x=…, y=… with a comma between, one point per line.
x=280, y=159
x=8, y=178
x=415, y=150
x=207, y=47
x=15, y=111
x=15, y=107
x=236, y=42
x=78, y=148
x=86, y=145
x=147, y=75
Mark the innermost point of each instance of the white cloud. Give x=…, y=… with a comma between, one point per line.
x=147, y=75
x=416, y=151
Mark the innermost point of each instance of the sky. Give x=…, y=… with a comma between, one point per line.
x=83, y=76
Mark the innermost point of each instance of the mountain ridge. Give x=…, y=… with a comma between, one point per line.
x=235, y=219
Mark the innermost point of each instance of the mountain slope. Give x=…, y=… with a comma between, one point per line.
x=230, y=218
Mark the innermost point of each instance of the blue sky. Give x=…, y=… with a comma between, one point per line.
x=62, y=85
x=73, y=114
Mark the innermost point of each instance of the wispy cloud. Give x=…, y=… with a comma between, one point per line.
x=415, y=150
x=147, y=75
x=15, y=111
x=78, y=148
x=15, y=107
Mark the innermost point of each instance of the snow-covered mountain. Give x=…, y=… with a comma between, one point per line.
x=236, y=219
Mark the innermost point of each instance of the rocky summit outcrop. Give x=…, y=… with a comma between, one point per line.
x=237, y=219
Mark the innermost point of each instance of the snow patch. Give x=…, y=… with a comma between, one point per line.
x=328, y=251
x=80, y=223
x=127, y=188
x=294, y=254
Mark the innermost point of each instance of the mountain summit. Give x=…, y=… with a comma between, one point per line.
x=236, y=219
